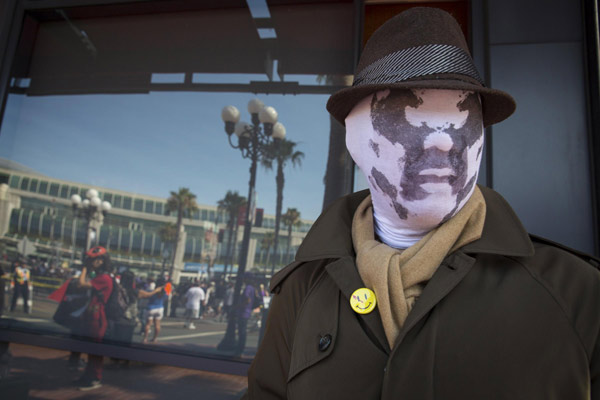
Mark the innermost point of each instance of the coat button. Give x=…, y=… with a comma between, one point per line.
x=324, y=342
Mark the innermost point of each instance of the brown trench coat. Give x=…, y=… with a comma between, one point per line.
x=506, y=317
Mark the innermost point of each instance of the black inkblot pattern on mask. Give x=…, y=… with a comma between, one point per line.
x=461, y=195
x=389, y=189
x=373, y=183
x=375, y=147
x=468, y=134
x=388, y=117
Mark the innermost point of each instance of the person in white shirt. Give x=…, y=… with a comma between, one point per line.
x=194, y=296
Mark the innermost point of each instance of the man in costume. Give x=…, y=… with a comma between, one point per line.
x=98, y=265
x=21, y=281
x=427, y=286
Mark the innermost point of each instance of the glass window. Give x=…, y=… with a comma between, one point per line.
x=127, y=203
x=64, y=191
x=14, y=221
x=46, y=225
x=34, y=227
x=24, y=183
x=54, y=189
x=131, y=104
x=137, y=242
x=117, y=201
x=14, y=181
x=33, y=186
x=148, y=240
x=138, y=205
x=124, y=244
x=24, y=223
x=43, y=187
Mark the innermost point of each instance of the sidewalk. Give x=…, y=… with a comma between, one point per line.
x=48, y=377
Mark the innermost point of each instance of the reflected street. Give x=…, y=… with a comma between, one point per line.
x=202, y=340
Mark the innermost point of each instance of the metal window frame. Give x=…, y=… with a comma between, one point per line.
x=12, y=14
x=591, y=42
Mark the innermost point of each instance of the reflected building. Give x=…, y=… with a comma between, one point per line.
x=39, y=207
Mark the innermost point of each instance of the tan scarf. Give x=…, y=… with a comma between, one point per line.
x=398, y=276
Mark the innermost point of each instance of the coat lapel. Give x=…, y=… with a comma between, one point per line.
x=345, y=275
x=449, y=274
x=330, y=238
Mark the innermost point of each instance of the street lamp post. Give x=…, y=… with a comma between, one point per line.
x=166, y=256
x=252, y=141
x=92, y=210
x=53, y=245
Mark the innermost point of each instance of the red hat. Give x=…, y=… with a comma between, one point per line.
x=96, y=252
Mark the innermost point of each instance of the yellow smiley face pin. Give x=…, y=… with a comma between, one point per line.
x=363, y=301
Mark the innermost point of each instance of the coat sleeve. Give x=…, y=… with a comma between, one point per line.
x=268, y=374
x=595, y=355
x=595, y=373
x=592, y=333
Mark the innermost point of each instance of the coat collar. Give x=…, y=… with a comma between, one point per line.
x=331, y=238
x=331, y=234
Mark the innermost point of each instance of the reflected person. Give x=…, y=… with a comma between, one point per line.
x=21, y=281
x=125, y=326
x=244, y=312
x=155, y=309
x=98, y=265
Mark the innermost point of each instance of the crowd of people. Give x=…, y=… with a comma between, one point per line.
x=109, y=304
x=203, y=299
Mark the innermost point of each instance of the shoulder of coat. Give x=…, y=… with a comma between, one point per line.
x=588, y=258
x=281, y=275
x=572, y=278
x=308, y=267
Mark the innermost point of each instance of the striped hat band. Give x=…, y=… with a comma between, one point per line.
x=416, y=62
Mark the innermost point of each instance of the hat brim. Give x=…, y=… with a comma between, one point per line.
x=496, y=104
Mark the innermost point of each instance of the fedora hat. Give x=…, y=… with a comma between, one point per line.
x=421, y=48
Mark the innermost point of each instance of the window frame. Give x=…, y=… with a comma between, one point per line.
x=12, y=14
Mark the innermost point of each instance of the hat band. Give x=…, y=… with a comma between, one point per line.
x=418, y=61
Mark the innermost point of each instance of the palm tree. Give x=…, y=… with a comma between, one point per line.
x=267, y=241
x=183, y=203
x=282, y=151
x=291, y=218
x=168, y=235
x=231, y=204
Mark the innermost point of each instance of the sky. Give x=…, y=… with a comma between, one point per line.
x=158, y=142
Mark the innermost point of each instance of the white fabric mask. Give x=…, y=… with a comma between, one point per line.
x=420, y=150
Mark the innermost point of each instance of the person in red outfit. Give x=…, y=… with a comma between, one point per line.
x=99, y=267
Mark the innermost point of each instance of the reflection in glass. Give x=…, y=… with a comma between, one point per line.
x=131, y=113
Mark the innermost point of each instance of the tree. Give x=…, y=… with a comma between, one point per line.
x=267, y=241
x=168, y=235
x=183, y=203
x=231, y=204
x=291, y=218
x=280, y=151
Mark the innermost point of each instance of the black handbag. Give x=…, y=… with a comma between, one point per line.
x=72, y=307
